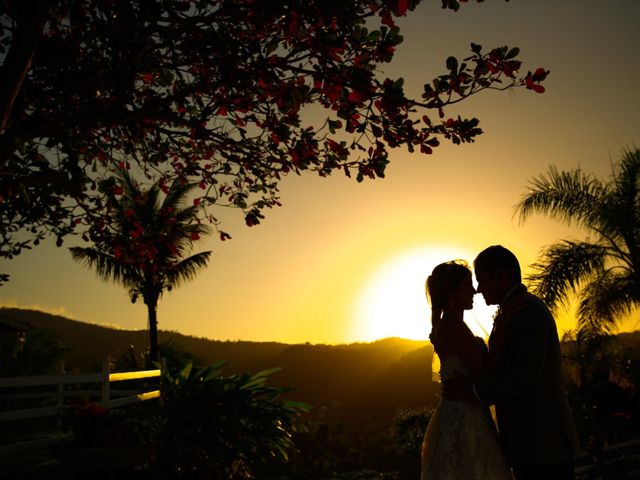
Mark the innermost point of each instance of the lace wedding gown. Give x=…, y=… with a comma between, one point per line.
x=461, y=441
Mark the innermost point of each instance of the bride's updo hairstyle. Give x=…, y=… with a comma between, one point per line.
x=444, y=279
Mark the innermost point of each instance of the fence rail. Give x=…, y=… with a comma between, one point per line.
x=104, y=378
x=620, y=461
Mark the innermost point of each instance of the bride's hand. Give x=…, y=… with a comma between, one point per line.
x=479, y=341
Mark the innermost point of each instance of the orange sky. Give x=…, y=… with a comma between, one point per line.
x=315, y=270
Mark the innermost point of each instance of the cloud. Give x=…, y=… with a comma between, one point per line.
x=59, y=311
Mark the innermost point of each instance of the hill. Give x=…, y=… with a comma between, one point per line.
x=363, y=384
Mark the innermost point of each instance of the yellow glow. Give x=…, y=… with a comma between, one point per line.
x=393, y=302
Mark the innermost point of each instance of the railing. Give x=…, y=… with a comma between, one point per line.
x=104, y=378
x=619, y=461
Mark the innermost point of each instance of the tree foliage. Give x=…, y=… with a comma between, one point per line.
x=38, y=352
x=604, y=269
x=230, y=94
x=144, y=241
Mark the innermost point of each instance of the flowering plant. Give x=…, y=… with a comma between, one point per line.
x=90, y=423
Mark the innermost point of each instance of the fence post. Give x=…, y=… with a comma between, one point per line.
x=106, y=370
x=60, y=386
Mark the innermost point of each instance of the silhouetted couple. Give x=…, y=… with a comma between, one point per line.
x=520, y=373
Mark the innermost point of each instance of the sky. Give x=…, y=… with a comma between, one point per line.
x=343, y=262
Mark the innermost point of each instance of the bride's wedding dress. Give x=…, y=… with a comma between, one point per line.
x=461, y=442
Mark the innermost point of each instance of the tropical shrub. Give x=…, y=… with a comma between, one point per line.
x=224, y=427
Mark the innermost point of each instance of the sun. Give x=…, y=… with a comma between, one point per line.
x=393, y=302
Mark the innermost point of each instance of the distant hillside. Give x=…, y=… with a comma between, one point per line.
x=361, y=383
x=91, y=343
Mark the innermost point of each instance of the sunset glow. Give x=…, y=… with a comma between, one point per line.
x=343, y=261
x=393, y=303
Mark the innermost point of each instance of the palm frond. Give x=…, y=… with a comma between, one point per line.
x=607, y=299
x=177, y=194
x=187, y=268
x=129, y=184
x=565, y=196
x=604, y=270
x=562, y=267
x=106, y=266
x=621, y=214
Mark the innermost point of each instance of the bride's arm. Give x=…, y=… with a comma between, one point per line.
x=473, y=352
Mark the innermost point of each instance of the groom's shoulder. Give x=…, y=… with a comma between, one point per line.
x=536, y=308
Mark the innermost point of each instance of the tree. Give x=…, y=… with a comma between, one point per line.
x=604, y=269
x=38, y=352
x=230, y=94
x=144, y=242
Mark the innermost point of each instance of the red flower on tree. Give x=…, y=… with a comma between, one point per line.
x=213, y=94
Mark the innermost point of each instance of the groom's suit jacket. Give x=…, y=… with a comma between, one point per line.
x=526, y=384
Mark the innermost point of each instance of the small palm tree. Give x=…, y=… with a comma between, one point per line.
x=604, y=269
x=144, y=243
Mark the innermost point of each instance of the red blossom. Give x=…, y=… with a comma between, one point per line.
x=147, y=77
x=387, y=19
x=403, y=6
x=531, y=84
x=540, y=73
x=356, y=96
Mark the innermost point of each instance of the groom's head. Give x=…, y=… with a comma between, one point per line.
x=497, y=271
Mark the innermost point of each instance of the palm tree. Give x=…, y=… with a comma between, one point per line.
x=603, y=270
x=145, y=242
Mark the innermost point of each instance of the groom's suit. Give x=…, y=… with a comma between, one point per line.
x=526, y=385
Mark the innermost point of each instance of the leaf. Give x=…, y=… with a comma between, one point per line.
x=514, y=52
x=452, y=64
x=267, y=372
x=184, y=373
x=305, y=407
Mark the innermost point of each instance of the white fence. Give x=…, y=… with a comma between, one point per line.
x=105, y=378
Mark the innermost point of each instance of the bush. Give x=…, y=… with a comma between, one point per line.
x=223, y=427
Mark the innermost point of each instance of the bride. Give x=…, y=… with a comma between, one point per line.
x=461, y=441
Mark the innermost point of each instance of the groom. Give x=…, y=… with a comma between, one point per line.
x=525, y=382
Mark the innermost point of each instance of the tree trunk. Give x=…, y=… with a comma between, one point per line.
x=30, y=23
x=153, y=331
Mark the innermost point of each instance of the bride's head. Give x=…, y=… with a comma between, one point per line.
x=444, y=288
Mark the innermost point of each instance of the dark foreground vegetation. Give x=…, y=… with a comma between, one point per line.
x=338, y=412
